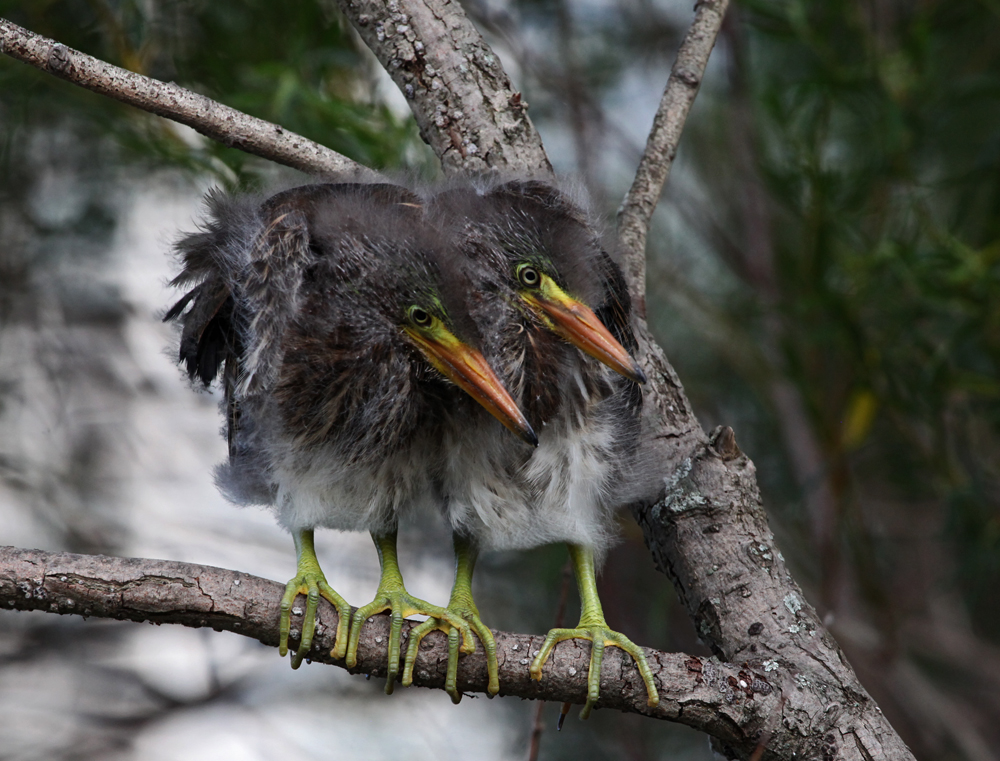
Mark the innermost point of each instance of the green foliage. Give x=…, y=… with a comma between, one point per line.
x=877, y=139
x=296, y=65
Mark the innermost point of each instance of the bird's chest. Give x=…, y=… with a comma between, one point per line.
x=363, y=402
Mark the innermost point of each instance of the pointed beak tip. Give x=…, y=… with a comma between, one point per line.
x=529, y=435
x=640, y=376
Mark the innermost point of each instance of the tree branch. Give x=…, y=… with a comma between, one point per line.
x=214, y=120
x=463, y=100
x=636, y=210
x=730, y=702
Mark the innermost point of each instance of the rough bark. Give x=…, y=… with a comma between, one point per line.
x=212, y=119
x=707, y=529
x=462, y=99
x=724, y=700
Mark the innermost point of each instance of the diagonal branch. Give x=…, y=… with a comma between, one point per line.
x=636, y=210
x=707, y=530
x=461, y=96
x=212, y=119
x=730, y=702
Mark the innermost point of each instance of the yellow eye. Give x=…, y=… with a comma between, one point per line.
x=420, y=317
x=528, y=276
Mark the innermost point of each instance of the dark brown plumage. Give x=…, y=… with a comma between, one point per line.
x=341, y=327
x=586, y=413
x=555, y=314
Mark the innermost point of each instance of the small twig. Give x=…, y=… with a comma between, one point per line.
x=212, y=119
x=685, y=78
x=536, y=732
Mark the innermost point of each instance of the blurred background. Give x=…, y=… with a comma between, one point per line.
x=824, y=274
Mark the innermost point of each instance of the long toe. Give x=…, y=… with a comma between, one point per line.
x=312, y=586
x=456, y=645
x=402, y=605
x=600, y=638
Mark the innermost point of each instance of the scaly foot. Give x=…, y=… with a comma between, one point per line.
x=401, y=604
x=311, y=582
x=593, y=627
x=600, y=636
x=392, y=596
x=462, y=605
x=471, y=615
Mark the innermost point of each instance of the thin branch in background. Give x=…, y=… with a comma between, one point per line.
x=685, y=79
x=538, y=726
x=214, y=120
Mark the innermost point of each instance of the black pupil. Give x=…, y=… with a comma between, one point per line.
x=529, y=276
x=420, y=316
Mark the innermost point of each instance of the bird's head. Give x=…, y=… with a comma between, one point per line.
x=538, y=246
x=386, y=287
x=435, y=333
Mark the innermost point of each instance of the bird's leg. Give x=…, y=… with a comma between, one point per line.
x=310, y=581
x=391, y=595
x=462, y=605
x=593, y=627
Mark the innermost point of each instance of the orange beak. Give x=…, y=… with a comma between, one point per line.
x=468, y=369
x=578, y=324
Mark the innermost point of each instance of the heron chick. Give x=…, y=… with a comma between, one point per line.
x=555, y=314
x=340, y=332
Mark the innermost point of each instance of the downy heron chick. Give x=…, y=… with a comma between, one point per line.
x=340, y=332
x=555, y=314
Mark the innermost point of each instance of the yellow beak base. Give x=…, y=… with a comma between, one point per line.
x=578, y=324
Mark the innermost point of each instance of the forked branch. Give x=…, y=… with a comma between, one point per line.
x=793, y=696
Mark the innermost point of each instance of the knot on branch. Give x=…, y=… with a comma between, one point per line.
x=722, y=441
x=60, y=59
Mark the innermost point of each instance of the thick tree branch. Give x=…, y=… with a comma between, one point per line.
x=214, y=120
x=685, y=79
x=730, y=702
x=459, y=93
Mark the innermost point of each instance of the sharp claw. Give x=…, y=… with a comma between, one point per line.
x=392, y=666
x=312, y=585
x=354, y=636
x=600, y=637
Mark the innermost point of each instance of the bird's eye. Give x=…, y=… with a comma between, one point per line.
x=420, y=317
x=528, y=276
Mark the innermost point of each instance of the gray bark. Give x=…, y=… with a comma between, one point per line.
x=462, y=99
x=724, y=700
x=212, y=119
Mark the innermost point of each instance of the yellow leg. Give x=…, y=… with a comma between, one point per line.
x=392, y=596
x=593, y=627
x=310, y=581
x=463, y=606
